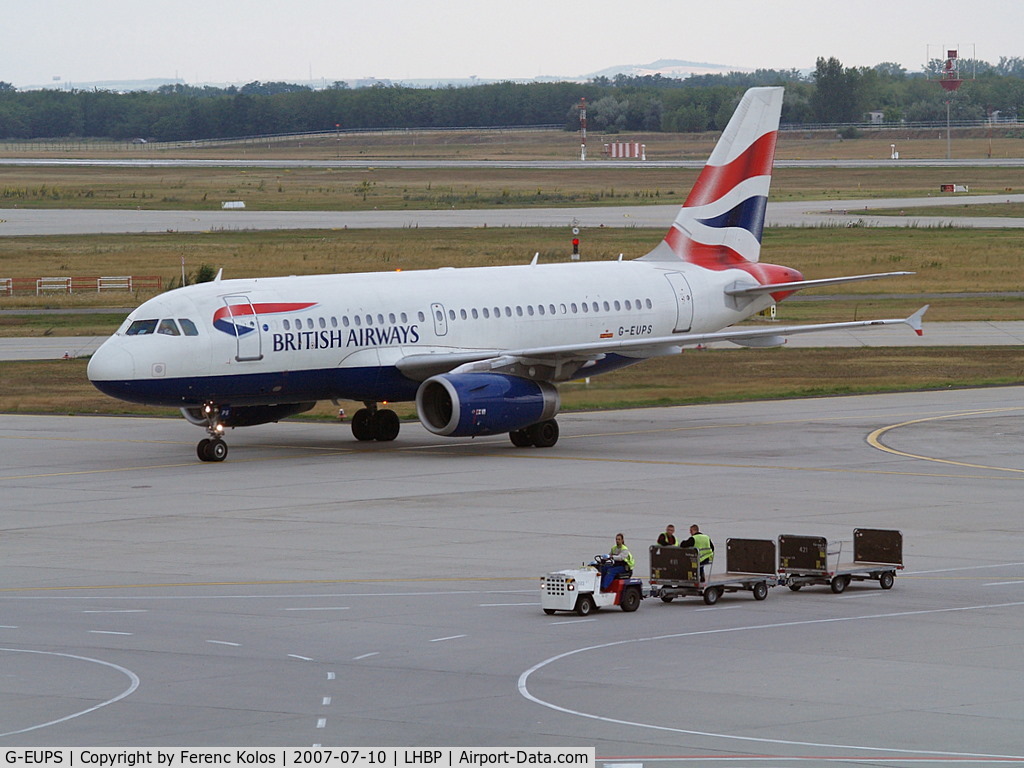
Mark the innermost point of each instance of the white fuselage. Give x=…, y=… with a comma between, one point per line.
x=292, y=339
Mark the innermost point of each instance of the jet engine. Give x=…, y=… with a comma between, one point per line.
x=468, y=404
x=246, y=415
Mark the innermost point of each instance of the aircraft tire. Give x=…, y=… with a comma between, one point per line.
x=385, y=425
x=362, y=425
x=544, y=434
x=520, y=438
x=212, y=449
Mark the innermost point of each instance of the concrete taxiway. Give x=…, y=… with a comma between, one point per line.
x=315, y=590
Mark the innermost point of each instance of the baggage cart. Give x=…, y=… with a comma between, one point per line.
x=877, y=555
x=749, y=566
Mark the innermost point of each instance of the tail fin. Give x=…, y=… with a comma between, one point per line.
x=721, y=222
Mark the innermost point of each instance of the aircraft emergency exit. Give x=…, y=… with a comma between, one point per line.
x=480, y=350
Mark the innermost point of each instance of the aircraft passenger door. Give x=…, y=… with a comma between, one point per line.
x=246, y=323
x=440, y=320
x=684, y=301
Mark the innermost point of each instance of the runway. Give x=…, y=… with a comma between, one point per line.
x=24, y=221
x=315, y=590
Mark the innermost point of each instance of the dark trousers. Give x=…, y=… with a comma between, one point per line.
x=608, y=574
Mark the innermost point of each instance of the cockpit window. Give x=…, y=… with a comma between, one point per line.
x=168, y=328
x=142, y=328
x=188, y=326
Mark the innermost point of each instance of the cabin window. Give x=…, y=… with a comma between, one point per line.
x=629, y=305
x=476, y=315
x=451, y=314
x=439, y=315
x=423, y=318
x=380, y=319
x=142, y=328
x=508, y=311
x=497, y=311
x=617, y=305
x=334, y=322
x=369, y=319
x=168, y=328
x=574, y=308
x=286, y=324
x=586, y=307
x=405, y=318
x=358, y=319
x=606, y=306
x=323, y=323
x=519, y=311
x=540, y=309
x=561, y=307
x=188, y=326
x=391, y=318
x=595, y=307
x=344, y=320
x=649, y=304
x=487, y=313
x=462, y=314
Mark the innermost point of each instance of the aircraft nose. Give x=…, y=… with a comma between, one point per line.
x=111, y=363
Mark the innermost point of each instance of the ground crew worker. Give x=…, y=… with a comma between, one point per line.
x=622, y=561
x=668, y=538
x=704, y=546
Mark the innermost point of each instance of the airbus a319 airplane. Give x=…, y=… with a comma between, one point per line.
x=480, y=350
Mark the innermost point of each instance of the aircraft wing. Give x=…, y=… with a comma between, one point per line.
x=563, y=362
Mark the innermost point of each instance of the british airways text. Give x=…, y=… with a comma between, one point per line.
x=298, y=341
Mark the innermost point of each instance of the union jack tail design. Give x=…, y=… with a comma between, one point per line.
x=720, y=224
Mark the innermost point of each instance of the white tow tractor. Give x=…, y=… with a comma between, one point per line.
x=579, y=590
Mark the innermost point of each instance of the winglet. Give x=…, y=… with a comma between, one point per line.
x=914, y=321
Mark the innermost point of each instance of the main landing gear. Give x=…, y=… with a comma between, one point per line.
x=543, y=434
x=369, y=423
x=212, y=448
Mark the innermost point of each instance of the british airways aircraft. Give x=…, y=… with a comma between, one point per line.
x=480, y=350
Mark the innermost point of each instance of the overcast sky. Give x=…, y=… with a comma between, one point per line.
x=293, y=40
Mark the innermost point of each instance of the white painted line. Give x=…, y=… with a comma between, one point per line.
x=326, y=702
x=133, y=685
x=914, y=754
x=717, y=608
x=330, y=675
x=1001, y=583
x=224, y=642
x=450, y=637
x=341, y=608
x=104, y=632
x=358, y=658
x=861, y=594
x=130, y=610
x=7, y=626
x=300, y=658
x=572, y=621
x=321, y=723
x=503, y=605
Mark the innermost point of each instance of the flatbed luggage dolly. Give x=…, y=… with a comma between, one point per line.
x=749, y=566
x=877, y=555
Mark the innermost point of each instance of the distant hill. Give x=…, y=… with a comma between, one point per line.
x=666, y=68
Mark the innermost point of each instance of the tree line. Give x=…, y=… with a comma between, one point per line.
x=832, y=93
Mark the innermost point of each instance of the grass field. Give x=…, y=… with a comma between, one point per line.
x=946, y=261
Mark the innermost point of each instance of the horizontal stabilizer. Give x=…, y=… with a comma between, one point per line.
x=799, y=285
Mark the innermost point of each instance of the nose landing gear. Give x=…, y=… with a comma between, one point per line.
x=212, y=448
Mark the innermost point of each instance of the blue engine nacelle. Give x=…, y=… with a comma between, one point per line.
x=467, y=404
